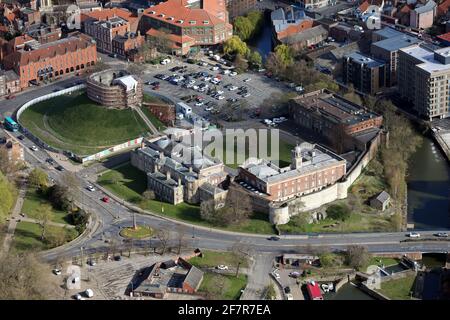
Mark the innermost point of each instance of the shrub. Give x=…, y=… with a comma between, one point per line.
x=338, y=212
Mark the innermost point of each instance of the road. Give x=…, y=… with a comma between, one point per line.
x=113, y=216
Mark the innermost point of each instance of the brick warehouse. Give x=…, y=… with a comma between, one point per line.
x=37, y=62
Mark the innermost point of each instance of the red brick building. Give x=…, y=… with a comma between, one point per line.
x=312, y=168
x=188, y=23
x=36, y=62
x=325, y=113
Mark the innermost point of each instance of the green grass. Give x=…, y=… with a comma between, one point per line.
x=27, y=237
x=33, y=200
x=156, y=122
x=231, y=288
x=398, y=289
x=74, y=122
x=357, y=222
x=140, y=233
x=384, y=260
x=214, y=258
x=284, y=151
x=134, y=182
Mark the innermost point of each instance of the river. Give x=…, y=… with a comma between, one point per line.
x=429, y=188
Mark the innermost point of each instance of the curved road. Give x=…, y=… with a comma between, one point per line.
x=112, y=216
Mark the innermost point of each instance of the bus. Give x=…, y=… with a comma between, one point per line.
x=10, y=124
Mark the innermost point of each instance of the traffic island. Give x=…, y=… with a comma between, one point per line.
x=140, y=232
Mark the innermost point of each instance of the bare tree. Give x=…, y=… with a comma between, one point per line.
x=163, y=237
x=241, y=253
x=23, y=276
x=180, y=238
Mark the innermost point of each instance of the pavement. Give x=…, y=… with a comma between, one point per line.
x=258, y=277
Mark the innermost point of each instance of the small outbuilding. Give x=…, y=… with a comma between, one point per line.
x=381, y=201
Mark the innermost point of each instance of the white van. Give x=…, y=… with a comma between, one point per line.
x=89, y=293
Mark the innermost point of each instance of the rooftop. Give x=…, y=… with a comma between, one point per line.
x=428, y=57
x=364, y=60
x=314, y=157
x=334, y=107
x=388, y=32
x=396, y=43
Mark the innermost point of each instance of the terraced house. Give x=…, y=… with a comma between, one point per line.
x=188, y=24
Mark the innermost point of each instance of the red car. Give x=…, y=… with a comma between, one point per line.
x=105, y=199
x=10, y=97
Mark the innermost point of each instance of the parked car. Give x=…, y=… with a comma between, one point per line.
x=441, y=234
x=294, y=274
x=105, y=199
x=91, y=262
x=89, y=293
x=78, y=297
x=287, y=290
x=34, y=148
x=10, y=97
x=57, y=272
x=289, y=296
x=60, y=168
x=247, y=80
x=413, y=235
x=222, y=267
x=21, y=137
x=117, y=258
x=90, y=188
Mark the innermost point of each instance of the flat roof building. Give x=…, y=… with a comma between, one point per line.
x=423, y=80
x=366, y=74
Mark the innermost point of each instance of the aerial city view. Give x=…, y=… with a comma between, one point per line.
x=224, y=150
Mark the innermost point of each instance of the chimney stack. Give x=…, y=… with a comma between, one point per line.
x=167, y=174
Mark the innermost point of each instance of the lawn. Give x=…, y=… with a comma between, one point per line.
x=398, y=289
x=74, y=122
x=214, y=258
x=27, y=236
x=386, y=261
x=357, y=222
x=156, y=122
x=284, y=151
x=140, y=232
x=224, y=287
x=33, y=200
x=134, y=182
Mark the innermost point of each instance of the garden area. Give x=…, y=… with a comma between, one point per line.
x=222, y=287
x=129, y=183
x=398, y=289
x=211, y=259
x=140, y=232
x=74, y=122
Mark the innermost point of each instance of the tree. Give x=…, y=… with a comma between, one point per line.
x=59, y=197
x=243, y=28
x=38, y=178
x=235, y=45
x=255, y=59
x=238, y=206
x=162, y=41
x=241, y=252
x=99, y=66
x=44, y=215
x=285, y=55
x=352, y=96
x=57, y=236
x=357, y=256
x=7, y=195
x=135, y=69
x=208, y=211
x=270, y=292
x=240, y=63
x=338, y=212
x=163, y=237
x=73, y=184
x=180, y=238
x=114, y=177
x=24, y=277
x=149, y=195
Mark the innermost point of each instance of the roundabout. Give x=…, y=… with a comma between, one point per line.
x=140, y=232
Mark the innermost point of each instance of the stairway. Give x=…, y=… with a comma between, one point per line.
x=149, y=124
